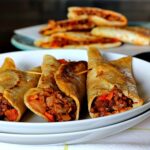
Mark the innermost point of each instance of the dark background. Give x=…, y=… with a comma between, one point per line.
x=15, y=14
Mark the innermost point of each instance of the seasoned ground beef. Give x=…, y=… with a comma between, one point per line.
x=7, y=112
x=100, y=13
x=59, y=107
x=110, y=103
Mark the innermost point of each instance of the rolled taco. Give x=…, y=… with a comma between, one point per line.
x=58, y=94
x=111, y=87
x=13, y=85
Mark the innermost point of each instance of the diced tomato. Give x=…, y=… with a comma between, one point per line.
x=54, y=44
x=110, y=96
x=62, y=61
x=102, y=97
x=11, y=114
x=33, y=97
x=50, y=117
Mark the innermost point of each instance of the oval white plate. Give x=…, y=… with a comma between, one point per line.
x=28, y=59
x=73, y=137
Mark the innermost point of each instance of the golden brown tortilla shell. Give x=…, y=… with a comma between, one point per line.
x=8, y=64
x=133, y=35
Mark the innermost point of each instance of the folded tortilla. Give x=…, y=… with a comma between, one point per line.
x=98, y=16
x=66, y=25
x=13, y=85
x=76, y=40
x=133, y=35
x=72, y=82
x=111, y=87
x=59, y=91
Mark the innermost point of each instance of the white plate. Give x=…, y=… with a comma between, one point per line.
x=31, y=32
x=28, y=59
x=73, y=137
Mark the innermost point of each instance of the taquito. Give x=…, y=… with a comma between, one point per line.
x=13, y=85
x=59, y=91
x=111, y=87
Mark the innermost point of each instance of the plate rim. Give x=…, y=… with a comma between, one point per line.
x=85, y=131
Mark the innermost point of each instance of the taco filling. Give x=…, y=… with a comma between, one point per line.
x=54, y=105
x=110, y=103
x=7, y=112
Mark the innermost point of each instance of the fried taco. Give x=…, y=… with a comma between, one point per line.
x=13, y=85
x=60, y=90
x=111, y=87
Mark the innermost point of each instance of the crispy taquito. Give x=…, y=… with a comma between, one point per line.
x=66, y=25
x=98, y=16
x=76, y=40
x=111, y=87
x=59, y=92
x=132, y=35
x=13, y=85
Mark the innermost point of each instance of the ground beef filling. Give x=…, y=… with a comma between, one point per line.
x=75, y=24
x=101, y=13
x=58, y=106
x=113, y=102
x=82, y=24
x=7, y=112
x=61, y=42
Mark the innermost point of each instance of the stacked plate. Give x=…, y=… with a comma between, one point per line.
x=33, y=130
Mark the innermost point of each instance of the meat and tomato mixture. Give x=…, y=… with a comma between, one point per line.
x=56, y=105
x=68, y=25
x=110, y=103
x=7, y=112
x=59, y=41
x=75, y=24
x=101, y=13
